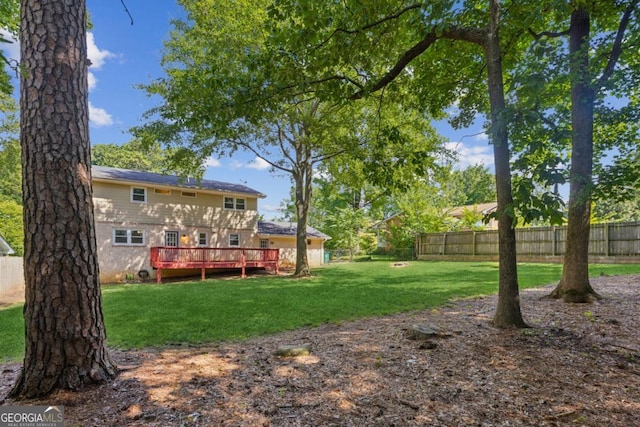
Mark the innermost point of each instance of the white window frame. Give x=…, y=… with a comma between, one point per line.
x=172, y=233
x=144, y=195
x=232, y=200
x=264, y=244
x=202, y=234
x=236, y=203
x=162, y=191
x=130, y=235
x=234, y=237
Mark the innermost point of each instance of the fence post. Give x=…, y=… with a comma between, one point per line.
x=473, y=244
x=606, y=239
x=444, y=243
x=553, y=241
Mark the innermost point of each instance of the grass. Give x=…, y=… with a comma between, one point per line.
x=149, y=315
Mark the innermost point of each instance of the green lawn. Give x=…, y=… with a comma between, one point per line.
x=144, y=315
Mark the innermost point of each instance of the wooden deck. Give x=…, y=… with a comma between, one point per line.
x=203, y=258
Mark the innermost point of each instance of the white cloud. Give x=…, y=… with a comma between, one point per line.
x=270, y=208
x=258, y=164
x=95, y=55
x=469, y=156
x=212, y=163
x=99, y=117
x=12, y=49
x=482, y=137
x=92, y=80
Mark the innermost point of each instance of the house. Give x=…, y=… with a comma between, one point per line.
x=456, y=214
x=5, y=248
x=282, y=235
x=481, y=209
x=135, y=211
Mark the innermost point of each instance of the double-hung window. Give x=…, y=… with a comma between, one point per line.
x=234, y=240
x=234, y=203
x=123, y=236
x=203, y=239
x=139, y=194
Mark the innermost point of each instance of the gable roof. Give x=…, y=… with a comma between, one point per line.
x=103, y=173
x=5, y=248
x=286, y=228
x=482, y=208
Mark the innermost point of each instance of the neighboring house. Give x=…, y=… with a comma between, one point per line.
x=5, y=248
x=135, y=211
x=382, y=228
x=483, y=209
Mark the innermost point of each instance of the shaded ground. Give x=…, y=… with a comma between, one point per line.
x=578, y=366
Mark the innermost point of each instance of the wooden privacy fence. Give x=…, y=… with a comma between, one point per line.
x=613, y=242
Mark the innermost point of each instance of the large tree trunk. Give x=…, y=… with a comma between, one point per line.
x=508, y=314
x=303, y=178
x=64, y=328
x=574, y=284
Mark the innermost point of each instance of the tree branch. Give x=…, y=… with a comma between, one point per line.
x=372, y=24
x=551, y=34
x=404, y=60
x=616, y=51
x=473, y=35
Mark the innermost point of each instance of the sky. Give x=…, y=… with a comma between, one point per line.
x=126, y=52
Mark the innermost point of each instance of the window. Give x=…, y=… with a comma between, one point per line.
x=203, y=239
x=137, y=237
x=171, y=238
x=123, y=236
x=162, y=191
x=138, y=194
x=228, y=203
x=188, y=194
x=234, y=240
x=233, y=203
x=264, y=243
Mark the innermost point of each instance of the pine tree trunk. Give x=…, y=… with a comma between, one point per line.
x=574, y=284
x=508, y=314
x=64, y=328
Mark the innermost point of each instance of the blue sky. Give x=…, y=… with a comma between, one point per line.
x=126, y=55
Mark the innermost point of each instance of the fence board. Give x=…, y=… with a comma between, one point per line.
x=606, y=240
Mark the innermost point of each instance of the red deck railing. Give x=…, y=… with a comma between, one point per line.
x=203, y=258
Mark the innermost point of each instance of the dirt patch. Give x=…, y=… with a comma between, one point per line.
x=577, y=365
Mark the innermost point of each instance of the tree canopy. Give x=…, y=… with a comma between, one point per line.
x=220, y=94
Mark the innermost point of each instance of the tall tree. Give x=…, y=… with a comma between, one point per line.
x=362, y=49
x=64, y=331
x=137, y=156
x=599, y=115
x=574, y=284
x=474, y=184
x=218, y=97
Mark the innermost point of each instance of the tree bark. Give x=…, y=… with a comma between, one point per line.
x=574, y=284
x=508, y=314
x=64, y=329
x=303, y=180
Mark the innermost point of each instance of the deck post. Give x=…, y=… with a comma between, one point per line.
x=159, y=276
x=202, y=274
x=243, y=262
